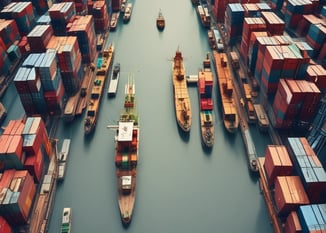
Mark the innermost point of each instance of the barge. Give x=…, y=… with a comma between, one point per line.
x=103, y=66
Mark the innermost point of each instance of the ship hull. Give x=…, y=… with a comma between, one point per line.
x=225, y=86
x=126, y=201
x=181, y=96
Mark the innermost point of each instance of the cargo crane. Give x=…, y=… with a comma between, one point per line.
x=317, y=134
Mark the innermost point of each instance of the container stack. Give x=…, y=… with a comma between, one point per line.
x=274, y=24
x=22, y=13
x=312, y=218
x=289, y=194
x=42, y=6
x=251, y=9
x=129, y=160
x=44, y=19
x=205, y=88
x=81, y=6
x=317, y=75
x=308, y=167
x=39, y=37
x=69, y=61
x=101, y=16
x=17, y=195
x=294, y=10
x=305, y=22
x=316, y=38
x=253, y=48
x=277, y=163
x=50, y=76
x=250, y=24
x=83, y=28
x=61, y=14
x=9, y=32
x=294, y=99
x=234, y=17
x=292, y=223
x=219, y=9
x=305, y=50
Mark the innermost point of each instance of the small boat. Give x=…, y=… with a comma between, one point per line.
x=160, y=21
x=63, y=158
x=218, y=40
x=114, y=80
x=3, y=113
x=263, y=122
x=127, y=13
x=206, y=104
x=114, y=20
x=180, y=91
x=127, y=153
x=66, y=220
x=103, y=65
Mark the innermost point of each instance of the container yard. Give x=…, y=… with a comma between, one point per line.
x=270, y=71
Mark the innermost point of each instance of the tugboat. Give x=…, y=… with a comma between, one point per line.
x=206, y=105
x=181, y=95
x=127, y=13
x=103, y=66
x=160, y=21
x=127, y=152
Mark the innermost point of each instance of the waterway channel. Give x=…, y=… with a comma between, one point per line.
x=181, y=187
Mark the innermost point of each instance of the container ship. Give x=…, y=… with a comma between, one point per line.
x=206, y=104
x=180, y=92
x=103, y=65
x=225, y=84
x=127, y=152
x=262, y=118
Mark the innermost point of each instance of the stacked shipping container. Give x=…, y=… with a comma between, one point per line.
x=83, y=28
x=294, y=100
x=205, y=88
x=22, y=13
x=61, y=14
x=297, y=178
x=20, y=142
x=69, y=61
x=101, y=16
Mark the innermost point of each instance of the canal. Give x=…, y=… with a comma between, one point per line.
x=181, y=186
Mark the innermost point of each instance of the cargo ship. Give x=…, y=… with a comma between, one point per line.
x=180, y=91
x=62, y=159
x=263, y=122
x=225, y=84
x=127, y=149
x=127, y=13
x=114, y=80
x=103, y=65
x=3, y=113
x=160, y=21
x=206, y=104
x=66, y=220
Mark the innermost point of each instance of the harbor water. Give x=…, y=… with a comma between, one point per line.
x=181, y=187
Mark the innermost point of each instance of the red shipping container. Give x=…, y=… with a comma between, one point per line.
x=292, y=224
x=277, y=162
x=4, y=226
x=289, y=194
x=6, y=178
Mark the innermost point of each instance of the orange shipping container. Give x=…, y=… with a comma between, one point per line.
x=292, y=224
x=289, y=194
